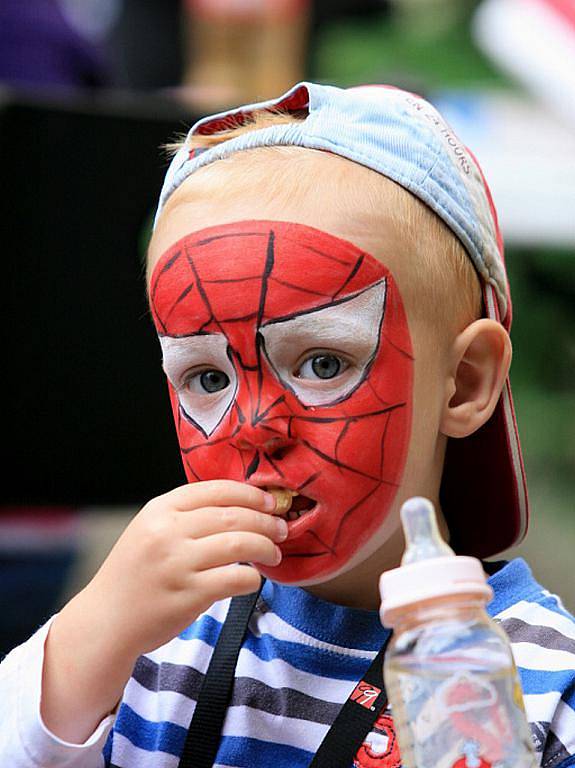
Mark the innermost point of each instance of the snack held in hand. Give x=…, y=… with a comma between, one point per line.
x=284, y=498
x=449, y=671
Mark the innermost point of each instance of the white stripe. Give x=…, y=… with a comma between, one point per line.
x=275, y=673
x=279, y=674
x=126, y=753
x=563, y=726
x=219, y=610
x=243, y=721
x=180, y=651
x=538, y=615
x=272, y=624
x=184, y=653
x=535, y=657
x=540, y=707
x=159, y=707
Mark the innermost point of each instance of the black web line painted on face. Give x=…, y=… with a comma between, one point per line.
x=187, y=290
x=300, y=288
x=264, y=420
x=355, y=269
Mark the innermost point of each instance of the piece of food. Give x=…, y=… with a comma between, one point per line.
x=283, y=497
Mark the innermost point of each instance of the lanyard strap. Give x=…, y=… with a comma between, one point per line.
x=340, y=744
x=203, y=738
x=355, y=719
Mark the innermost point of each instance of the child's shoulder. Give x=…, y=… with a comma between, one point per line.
x=542, y=635
x=520, y=601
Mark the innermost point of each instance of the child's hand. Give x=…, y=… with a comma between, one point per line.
x=177, y=556
x=180, y=554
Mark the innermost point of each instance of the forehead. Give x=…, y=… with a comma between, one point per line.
x=254, y=270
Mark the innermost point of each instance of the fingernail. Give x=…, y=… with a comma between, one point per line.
x=282, y=528
x=269, y=502
x=278, y=556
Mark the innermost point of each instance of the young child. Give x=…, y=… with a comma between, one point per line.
x=327, y=281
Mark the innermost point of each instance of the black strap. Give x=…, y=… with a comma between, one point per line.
x=355, y=719
x=203, y=737
x=340, y=744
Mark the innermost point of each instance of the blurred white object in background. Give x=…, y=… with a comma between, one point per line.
x=534, y=42
x=528, y=155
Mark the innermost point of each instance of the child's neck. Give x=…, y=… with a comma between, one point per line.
x=359, y=587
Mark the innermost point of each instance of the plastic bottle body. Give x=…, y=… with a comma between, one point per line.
x=454, y=689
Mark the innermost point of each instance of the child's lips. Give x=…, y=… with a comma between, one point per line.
x=292, y=506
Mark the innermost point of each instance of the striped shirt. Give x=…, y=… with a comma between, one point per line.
x=300, y=661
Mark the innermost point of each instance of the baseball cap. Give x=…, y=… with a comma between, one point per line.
x=402, y=136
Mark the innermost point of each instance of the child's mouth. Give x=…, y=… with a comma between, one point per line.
x=290, y=504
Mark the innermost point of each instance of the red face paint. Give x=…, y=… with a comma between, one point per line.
x=289, y=363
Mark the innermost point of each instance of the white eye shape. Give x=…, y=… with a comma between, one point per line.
x=203, y=376
x=347, y=330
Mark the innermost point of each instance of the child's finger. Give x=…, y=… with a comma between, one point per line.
x=237, y=547
x=228, y=581
x=220, y=493
x=207, y=521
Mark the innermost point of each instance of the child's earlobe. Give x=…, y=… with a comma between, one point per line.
x=481, y=356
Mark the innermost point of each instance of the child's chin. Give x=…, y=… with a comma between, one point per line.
x=299, y=572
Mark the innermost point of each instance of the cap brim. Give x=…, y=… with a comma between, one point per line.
x=484, y=491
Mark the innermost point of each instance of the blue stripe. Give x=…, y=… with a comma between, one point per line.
x=316, y=661
x=537, y=681
x=107, y=750
x=247, y=753
x=162, y=737
x=353, y=627
x=205, y=628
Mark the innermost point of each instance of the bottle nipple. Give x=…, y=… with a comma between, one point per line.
x=422, y=538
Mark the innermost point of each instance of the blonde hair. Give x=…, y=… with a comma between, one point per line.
x=447, y=290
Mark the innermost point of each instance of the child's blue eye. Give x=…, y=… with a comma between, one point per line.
x=208, y=381
x=321, y=367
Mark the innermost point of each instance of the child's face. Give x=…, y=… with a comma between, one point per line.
x=290, y=363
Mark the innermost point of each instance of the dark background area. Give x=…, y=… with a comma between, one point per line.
x=88, y=419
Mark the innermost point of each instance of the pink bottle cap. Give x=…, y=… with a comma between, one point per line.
x=428, y=580
x=429, y=568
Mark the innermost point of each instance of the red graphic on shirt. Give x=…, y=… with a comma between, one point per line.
x=365, y=694
x=249, y=294
x=380, y=749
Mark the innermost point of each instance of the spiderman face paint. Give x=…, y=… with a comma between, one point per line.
x=289, y=365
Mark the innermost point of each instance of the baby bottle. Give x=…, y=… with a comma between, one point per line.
x=449, y=673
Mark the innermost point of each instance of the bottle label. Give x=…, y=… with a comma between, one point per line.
x=460, y=720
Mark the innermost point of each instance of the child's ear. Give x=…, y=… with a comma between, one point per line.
x=479, y=363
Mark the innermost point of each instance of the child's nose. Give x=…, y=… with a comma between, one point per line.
x=263, y=439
